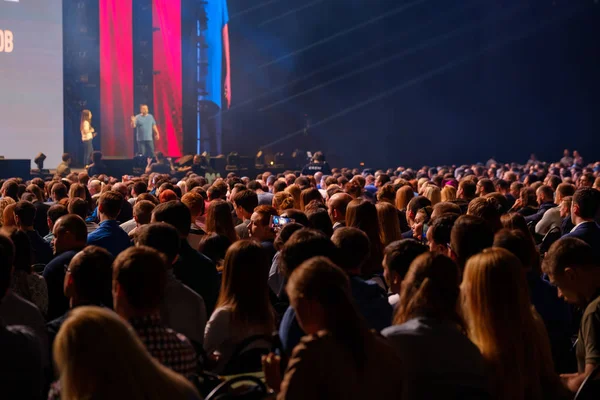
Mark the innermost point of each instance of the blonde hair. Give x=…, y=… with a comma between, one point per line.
x=421, y=184
x=504, y=326
x=389, y=224
x=296, y=192
x=403, y=196
x=283, y=201
x=4, y=202
x=433, y=193
x=448, y=193
x=99, y=356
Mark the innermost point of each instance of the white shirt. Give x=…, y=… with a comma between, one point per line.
x=86, y=133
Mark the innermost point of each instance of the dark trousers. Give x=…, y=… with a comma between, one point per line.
x=88, y=149
x=146, y=147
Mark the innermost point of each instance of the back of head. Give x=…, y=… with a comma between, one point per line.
x=586, y=202
x=321, y=221
x=75, y=225
x=416, y=204
x=441, y=229
x=309, y=195
x=303, y=245
x=97, y=354
x=219, y=219
x=25, y=212
x=282, y=201
x=487, y=186
x=445, y=207
x=247, y=199
x=514, y=221
x=470, y=235
x=78, y=207
x=11, y=189
x=488, y=209
x=176, y=214
x=141, y=273
x=389, y=223
x=142, y=211
x=59, y=191
x=167, y=195
x=110, y=204
x=91, y=272
x=362, y=214
x=399, y=255
x=58, y=210
x=430, y=289
x=353, y=248
x=503, y=204
x=521, y=246
x=160, y=236
x=433, y=193
x=214, y=246
x=285, y=233
x=469, y=188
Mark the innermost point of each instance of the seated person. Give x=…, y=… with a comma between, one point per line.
x=162, y=165
x=97, y=167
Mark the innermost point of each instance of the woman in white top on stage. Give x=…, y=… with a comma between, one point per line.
x=87, y=134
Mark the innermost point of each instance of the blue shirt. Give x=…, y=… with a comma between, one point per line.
x=143, y=127
x=110, y=236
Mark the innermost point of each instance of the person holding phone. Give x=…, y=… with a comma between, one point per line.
x=163, y=165
x=146, y=131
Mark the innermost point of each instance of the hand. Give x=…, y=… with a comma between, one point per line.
x=132, y=118
x=271, y=364
x=92, y=130
x=149, y=160
x=418, y=231
x=156, y=136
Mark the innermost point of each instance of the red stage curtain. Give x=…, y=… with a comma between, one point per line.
x=166, y=16
x=116, y=77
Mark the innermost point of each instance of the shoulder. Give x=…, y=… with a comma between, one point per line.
x=221, y=315
x=592, y=310
x=315, y=344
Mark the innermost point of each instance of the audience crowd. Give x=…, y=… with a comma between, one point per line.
x=455, y=282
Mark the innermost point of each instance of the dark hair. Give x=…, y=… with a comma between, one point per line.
x=91, y=271
x=488, y=209
x=446, y=207
x=78, y=207
x=308, y=195
x=76, y=225
x=174, y=213
x=140, y=187
x=66, y=157
x=244, y=288
x=298, y=216
x=25, y=211
x=7, y=258
x=565, y=189
x=586, y=199
x=417, y=203
x=279, y=186
x=11, y=189
x=96, y=157
x=521, y=246
x=547, y=191
x=468, y=187
x=142, y=273
x=487, y=185
x=569, y=252
x=441, y=228
x=303, y=245
x=160, y=236
x=400, y=254
x=58, y=210
x=60, y=191
x=431, y=288
x=247, y=199
x=528, y=197
x=470, y=235
x=214, y=246
x=285, y=233
x=353, y=247
x=321, y=221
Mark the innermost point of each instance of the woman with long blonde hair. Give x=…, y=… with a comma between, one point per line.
x=98, y=356
x=389, y=224
x=404, y=196
x=433, y=193
x=505, y=327
x=448, y=193
x=296, y=193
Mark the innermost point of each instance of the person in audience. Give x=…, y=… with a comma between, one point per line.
x=142, y=215
x=517, y=355
x=98, y=167
x=488, y=209
x=8, y=216
x=70, y=237
x=10, y=188
x=445, y=207
x=484, y=187
x=264, y=197
x=433, y=193
x=137, y=189
x=244, y=203
x=79, y=207
x=59, y=193
x=276, y=274
x=301, y=246
x=554, y=312
x=584, y=211
x=403, y=196
x=260, y=228
x=24, y=218
x=470, y=235
x=428, y=333
x=526, y=204
x=54, y=213
x=214, y=246
x=182, y=309
x=416, y=203
x=4, y=203
x=362, y=214
x=139, y=281
x=282, y=201
x=397, y=259
x=358, y=364
x=337, y=206
x=109, y=234
x=25, y=282
x=192, y=268
x=545, y=199
x=295, y=191
x=115, y=363
x=243, y=309
x=40, y=223
x=448, y=193
x=88, y=281
x=552, y=217
x=503, y=187
x=219, y=220
x=371, y=300
x=195, y=203
x=162, y=165
x=467, y=191
x=308, y=195
x=438, y=234
x=572, y=266
x=389, y=224
x=22, y=374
